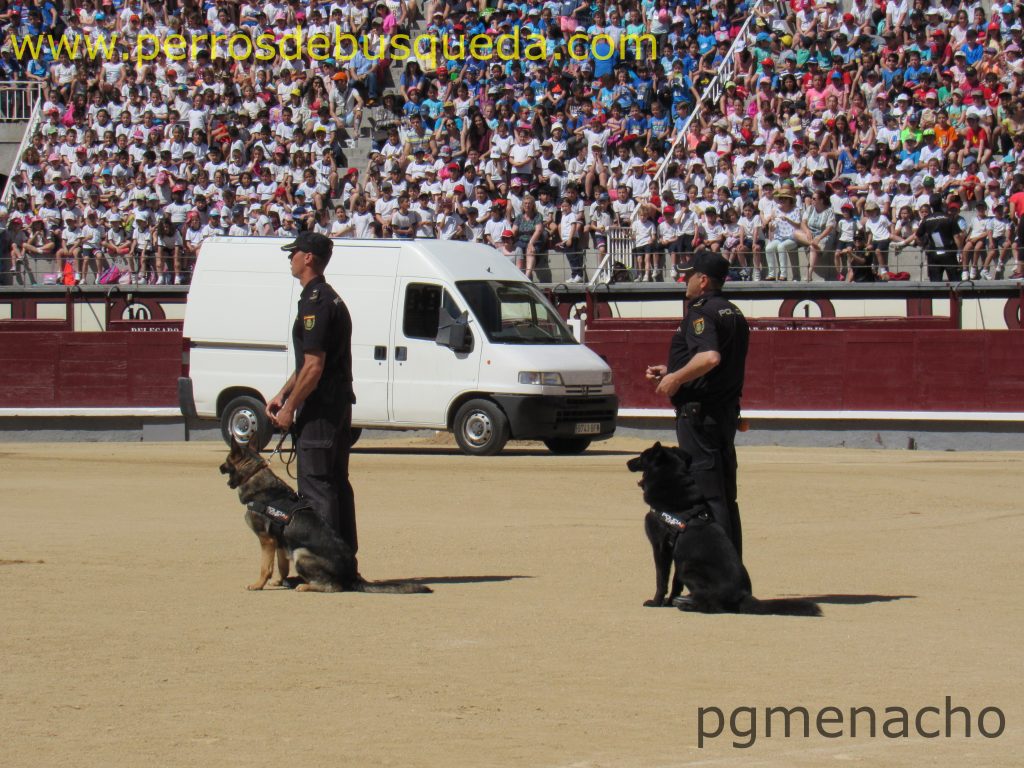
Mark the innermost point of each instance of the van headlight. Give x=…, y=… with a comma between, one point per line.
x=540, y=378
x=606, y=378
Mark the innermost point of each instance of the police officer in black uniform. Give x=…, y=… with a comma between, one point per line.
x=940, y=233
x=704, y=379
x=317, y=399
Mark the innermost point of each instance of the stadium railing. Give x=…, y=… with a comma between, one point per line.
x=20, y=101
x=619, y=251
x=714, y=90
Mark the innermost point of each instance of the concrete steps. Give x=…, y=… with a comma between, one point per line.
x=358, y=148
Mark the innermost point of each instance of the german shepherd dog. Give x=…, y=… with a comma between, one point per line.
x=325, y=562
x=683, y=533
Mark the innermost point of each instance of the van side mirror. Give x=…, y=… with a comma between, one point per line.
x=453, y=332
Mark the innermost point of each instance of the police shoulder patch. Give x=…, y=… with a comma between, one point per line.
x=698, y=325
x=308, y=321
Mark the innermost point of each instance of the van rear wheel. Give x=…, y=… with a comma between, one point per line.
x=481, y=428
x=245, y=420
x=568, y=446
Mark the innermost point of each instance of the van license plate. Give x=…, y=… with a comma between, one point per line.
x=592, y=428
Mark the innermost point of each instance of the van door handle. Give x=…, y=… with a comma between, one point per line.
x=401, y=354
x=380, y=353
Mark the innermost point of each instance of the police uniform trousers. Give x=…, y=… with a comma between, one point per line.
x=942, y=270
x=708, y=439
x=323, y=442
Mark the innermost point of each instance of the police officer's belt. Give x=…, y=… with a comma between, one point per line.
x=694, y=409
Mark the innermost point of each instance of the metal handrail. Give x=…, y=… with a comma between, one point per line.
x=713, y=92
x=618, y=246
x=26, y=140
x=911, y=258
x=17, y=110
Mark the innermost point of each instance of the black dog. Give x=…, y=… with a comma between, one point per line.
x=287, y=525
x=682, y=532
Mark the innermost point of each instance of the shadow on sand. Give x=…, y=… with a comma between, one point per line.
x=438, y=450
x=453, y=579
x=855, y=599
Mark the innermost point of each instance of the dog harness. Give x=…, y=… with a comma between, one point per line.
x=675, y=520
x=670, y=519
x=280, y=510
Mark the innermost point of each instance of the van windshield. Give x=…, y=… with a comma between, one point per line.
x=514, y=313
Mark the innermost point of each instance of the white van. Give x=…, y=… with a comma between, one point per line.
x=446, y=335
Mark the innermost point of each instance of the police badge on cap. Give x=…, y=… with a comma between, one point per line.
x=311, y=242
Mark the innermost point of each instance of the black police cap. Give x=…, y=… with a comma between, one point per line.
x=710, y=264
x=311, y=242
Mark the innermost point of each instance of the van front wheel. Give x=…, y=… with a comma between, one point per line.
x=245, y=421
x=567, y=446
x=481, y=428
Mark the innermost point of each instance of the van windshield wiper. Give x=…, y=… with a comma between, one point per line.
x=527, y=325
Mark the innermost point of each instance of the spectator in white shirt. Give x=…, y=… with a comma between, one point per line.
x=70, y=251
x=449, y=223
x=782, y=245
x=362, y=219
x=495, y=223
x=879, y=231
x=194, y=234
x=142, y=247
x=92, y=245
x=979, y=238
x=404, y=221
x=645, y=243
x=567, y=241
x=425, y=211
x=342, y=225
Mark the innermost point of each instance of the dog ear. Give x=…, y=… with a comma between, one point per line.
x=657, y=446
x=662, y=453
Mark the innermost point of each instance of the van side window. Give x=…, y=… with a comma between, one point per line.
x=422, y=302
x=421, y=305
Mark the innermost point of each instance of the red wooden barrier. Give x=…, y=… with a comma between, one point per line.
x=873, y=369
x=68, y=369
x=863, y=370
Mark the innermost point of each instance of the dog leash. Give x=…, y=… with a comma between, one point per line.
x=291, y=457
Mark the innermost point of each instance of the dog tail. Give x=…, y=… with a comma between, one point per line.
x=780, y=607
x=392, y=587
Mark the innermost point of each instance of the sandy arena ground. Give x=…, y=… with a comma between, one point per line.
x=128, y=638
